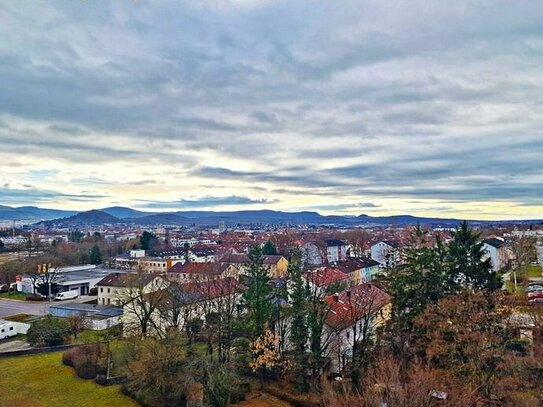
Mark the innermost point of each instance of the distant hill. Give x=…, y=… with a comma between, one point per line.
x=124, y=213
x=93, y=217
x=31, y=213
x=159, y=219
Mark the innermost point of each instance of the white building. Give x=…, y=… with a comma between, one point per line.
x=496, y=249
x=386, y=253
x=115, y=288
x=325, y=252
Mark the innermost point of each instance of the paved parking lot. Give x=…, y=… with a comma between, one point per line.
x=12, y=307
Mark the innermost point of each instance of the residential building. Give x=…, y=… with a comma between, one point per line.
x=386, y=252
x=496, y=250
x=354, y=314
x=194, y=272
x=323, y=252
x=321, y=278
x=180, y=303
x=276, y=265
x=116, y=288
x=361, y=270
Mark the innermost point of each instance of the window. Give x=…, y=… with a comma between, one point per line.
x=108, y=290
x=101, y=289
x=108, y=301
x=11, y=328
x=3, y=330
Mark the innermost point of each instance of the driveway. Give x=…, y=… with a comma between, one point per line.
x=13, y=345
x=12, y=307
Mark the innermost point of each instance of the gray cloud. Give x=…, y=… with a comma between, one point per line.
x=31, y=195
x=358, y=100
x=206, y=202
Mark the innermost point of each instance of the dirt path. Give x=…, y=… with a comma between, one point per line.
x=259, y=399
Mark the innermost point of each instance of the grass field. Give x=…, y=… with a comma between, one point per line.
x=532, y=270
x=43, y=381
x=13, y=296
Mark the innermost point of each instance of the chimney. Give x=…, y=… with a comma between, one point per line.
x=336, y=297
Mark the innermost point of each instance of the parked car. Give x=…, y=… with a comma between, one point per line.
x=534, y=288
x=535, y=297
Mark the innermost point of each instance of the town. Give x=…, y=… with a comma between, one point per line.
x=271, y=203
x=308, y=311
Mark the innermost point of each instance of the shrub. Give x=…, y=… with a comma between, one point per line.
x=101, y=380
x=48, y=331
x=32, y=297
x=115, y=332
x=87, y=360
x=67, y=359
x=219, y=385
x=239, y=392
x=518, y=346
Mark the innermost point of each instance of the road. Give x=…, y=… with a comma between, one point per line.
x=12, y=307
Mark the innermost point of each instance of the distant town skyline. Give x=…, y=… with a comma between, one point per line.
x=345, y=107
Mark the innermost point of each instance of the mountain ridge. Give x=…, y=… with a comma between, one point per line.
x=125, y=215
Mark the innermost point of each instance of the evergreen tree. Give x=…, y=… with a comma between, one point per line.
x=420, y=280
x=75, y=236
x=186, y=255
x=95, y=255
x=467, y=262
x=269, y=248
x=148, y=240
x=257, y=297
x=299, y=330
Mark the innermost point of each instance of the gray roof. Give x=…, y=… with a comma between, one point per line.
x=91, y=309
x=497, y=243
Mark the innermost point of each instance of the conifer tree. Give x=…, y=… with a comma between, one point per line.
x=257, y=297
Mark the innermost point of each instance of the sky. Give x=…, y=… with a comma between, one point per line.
x=380, y=107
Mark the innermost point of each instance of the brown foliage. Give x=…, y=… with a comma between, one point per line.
x=87, y=360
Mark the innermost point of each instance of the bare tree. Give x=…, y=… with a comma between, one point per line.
x=359, y=240
x=522, y=250
x=142, y=298
x=78, y=323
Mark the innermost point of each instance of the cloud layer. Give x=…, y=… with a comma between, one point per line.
x=344, y=106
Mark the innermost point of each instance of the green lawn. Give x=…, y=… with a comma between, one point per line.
x=13, y=296
x=532, y=270
x=43, y=381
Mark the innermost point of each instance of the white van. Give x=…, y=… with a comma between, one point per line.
x=67, y=295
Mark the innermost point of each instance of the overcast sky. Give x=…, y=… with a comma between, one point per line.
x=349, y=107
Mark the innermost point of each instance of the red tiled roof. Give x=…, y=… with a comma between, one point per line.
x=198, y=268
x=124, y=279
x=353, y=304
x=242, y=259
x=351, y=265
x=272, y=258
x=215, y=288
x=325, y=276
